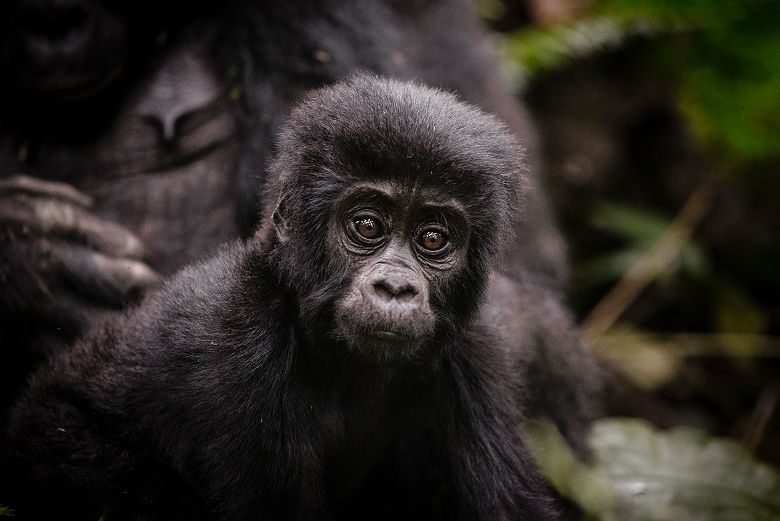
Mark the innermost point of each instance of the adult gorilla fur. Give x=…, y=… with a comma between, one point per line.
x=229, y=394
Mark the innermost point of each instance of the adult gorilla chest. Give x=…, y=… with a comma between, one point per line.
x=163, y=166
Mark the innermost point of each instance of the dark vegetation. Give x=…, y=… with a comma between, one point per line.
x=659, y=124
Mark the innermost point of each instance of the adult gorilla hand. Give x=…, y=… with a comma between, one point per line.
x=61, y=265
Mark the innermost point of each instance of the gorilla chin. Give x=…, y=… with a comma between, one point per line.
x=382, y=341
x=387, y=346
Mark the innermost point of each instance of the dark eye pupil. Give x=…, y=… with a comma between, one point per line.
x=432, y=241
x=367, y=228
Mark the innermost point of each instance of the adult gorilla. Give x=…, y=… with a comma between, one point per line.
x=132, y=135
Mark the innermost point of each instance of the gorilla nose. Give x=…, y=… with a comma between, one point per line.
x=55, y=20
x=397, y=291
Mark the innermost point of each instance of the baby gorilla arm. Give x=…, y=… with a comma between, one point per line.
x=84, y=458
x=494, y=476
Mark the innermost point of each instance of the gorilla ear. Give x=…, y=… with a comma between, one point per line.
x=279, y=220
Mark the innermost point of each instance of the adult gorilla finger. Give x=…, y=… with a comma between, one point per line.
x=56, y=218
x=32, y=186
x=112, y=280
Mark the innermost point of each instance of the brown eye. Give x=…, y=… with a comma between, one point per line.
x=432, y=240
x=368, y=228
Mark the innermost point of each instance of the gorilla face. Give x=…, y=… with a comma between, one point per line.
x=390, y=202
x=401, y=245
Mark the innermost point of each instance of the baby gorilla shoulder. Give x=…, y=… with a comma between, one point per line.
x=335, y=354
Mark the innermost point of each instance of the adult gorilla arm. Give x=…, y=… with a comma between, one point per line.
x=72, y=262
x=61, y=268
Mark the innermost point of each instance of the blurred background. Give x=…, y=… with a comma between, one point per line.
x=660, y=143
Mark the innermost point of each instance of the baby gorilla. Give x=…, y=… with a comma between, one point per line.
x=337, y=366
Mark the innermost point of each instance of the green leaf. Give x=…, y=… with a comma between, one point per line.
x=571, y=478
x=604, y=268
x=680, y=474
x=729, y=79
x=541, y=48
x=640, y=226
x=537, y=49
x=670, y=13
x=643, y=359
x=723, y=55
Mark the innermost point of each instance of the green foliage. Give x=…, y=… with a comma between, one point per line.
x=538, y=49
x=729, y=80
x=586, y=486
x=541, y=48
x=679, y=14
x=640, y=229
x=723, y=54
x=639, y=473
x=682, y=474
x=733, y=309
x=6, y=511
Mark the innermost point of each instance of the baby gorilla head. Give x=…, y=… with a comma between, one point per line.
x=390, y=202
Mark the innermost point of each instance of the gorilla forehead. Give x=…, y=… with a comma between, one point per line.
x=368, y=128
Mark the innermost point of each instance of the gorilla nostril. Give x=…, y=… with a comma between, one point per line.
x=388, y=291
x=383, y=291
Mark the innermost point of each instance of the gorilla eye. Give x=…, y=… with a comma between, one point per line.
x=368, y=228
x=432, y=240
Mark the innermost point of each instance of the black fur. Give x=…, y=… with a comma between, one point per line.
x=262, y=56
x=227, y=395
